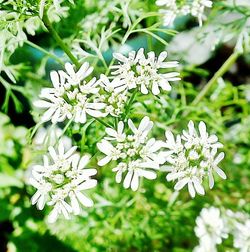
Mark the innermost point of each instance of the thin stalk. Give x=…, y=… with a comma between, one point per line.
x=131, y=100
x=102, y=122
x=59, y=41
x=51, y=55
x=223, y=69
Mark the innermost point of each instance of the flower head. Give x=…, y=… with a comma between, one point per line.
x=60, y=182
x=172, y=9
x=210, y=229
x=242, y=236
x=192, y=157
x=71, y=97
x=114, y=95
x=138, y=71
x=136, y=156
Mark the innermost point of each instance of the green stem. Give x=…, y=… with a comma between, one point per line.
x=60, y=42
x=102, y=122
x=45, y=51
x=223, y=69
x=131, y=100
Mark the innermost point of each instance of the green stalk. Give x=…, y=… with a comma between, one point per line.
x=51, y=55
x=102, y=122
x=223, y=69
x=131, y=100
x=59, y=41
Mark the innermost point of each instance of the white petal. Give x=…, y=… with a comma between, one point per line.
x=163, y=55
x=42, y=104
x=210, y=179
x=48, y=114
x=75, y=160
x=127, y=180
x=144, y=123
x=173, y=176
x=155, y=89
x=198, y=187
x=95, y=113
x=84, y=160
x=120, y=127
x=70, y=69
x=191, y=189
x=70, y=152
x=144, y=89
x=55, y=79
x=56, y=115
x=147, y=174
x=120, y=57
x=52, y=153
x=87, y=185
x=105, y=147
x=35, y=197
x=53, y=215
x=132, y=126
x=61, y=148
x=41, y=202
x=219, y=158
x=86, y=173
x=202, y=129
x=135, y=182
x=164, y=84
x=118, y=177
x=220, y=173
x=74, y=204
x=83, y=117
x=111, y=132
x=85, y=201
x=104, y=161
x=181, y=183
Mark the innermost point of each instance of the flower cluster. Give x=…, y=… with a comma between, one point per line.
x=57, y=9
x=210, y=229
x=136, y=155
x=138, y=71
x=60, y=182
x=13, y=26
x=71, y=97
x=173, y=8
x=114, y=97
x=192, y=157
x=214, y=225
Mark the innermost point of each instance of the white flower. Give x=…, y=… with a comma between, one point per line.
x=242, y=236
x=118, y=135
x=74, y=78
x=60, y=182
x=56, y=11
x=32, y=25
x=71, y=96
x=136, y=156
x=210, y=229
x=137, y=71
x=115, y=95
x=49, y=136
x=192, y=157
x=116, y=85
x=198, y=7
x=140, y=133
x=172, y=9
